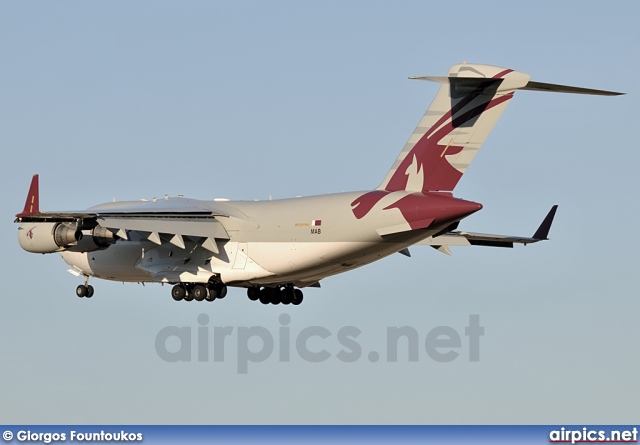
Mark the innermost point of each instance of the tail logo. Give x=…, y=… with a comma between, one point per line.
x=430, y=165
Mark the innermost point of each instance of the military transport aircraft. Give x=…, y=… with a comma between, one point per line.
x=273, y=248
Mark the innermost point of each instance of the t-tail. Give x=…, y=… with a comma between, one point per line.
x=468, y=104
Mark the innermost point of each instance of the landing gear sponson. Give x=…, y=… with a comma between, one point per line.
x=276, y=295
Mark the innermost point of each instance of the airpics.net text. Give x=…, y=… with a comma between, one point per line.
x=313, y=344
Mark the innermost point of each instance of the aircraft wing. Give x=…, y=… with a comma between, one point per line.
x=166, y=207
x=164, y=220
x=460, y=238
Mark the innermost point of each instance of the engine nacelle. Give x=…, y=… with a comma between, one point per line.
x=44, y=237
x=47, y=237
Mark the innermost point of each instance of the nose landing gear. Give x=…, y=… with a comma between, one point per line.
x=85, y=290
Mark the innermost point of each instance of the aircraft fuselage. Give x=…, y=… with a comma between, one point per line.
x=297, y=241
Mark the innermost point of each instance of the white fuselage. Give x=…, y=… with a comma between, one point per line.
x=297, y=241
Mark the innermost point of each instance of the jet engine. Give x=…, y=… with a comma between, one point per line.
x=98, y=238
x=50, y=237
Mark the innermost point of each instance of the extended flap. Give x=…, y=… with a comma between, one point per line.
x=206, y=228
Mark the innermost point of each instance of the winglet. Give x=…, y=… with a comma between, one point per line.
x=543, y=231
x=32, y=204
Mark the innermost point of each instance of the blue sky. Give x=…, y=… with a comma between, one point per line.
x=247, y=99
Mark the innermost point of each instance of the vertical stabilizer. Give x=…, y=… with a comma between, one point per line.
x=464, y=111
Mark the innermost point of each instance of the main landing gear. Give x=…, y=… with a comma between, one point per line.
x=199, y=292
x=85, y=290
x=276, y=295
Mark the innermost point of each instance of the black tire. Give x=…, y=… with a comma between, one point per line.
x=276, y=296
x=178, y=292
x=297, y=298
x=81, y=291
x=265, y=298
x=213, y=294
x=89, y=291
x=222, y=292
x=189, y=295
x=200, y=292
x=253, y=293
x=287, y=295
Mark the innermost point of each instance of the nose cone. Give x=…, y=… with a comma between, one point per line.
x=454, y=209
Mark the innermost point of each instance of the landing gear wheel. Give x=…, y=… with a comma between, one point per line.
x=253, y=293
x=81, y=291
x=265, y=298
x=222, y=291
x=276, y=296
x=178, y=292
x=200, y=292
x=89, y=291
x=297, y=299
x=213, y=294
x=287, y=295
x=189, y=295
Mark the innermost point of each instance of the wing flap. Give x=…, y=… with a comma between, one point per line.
x=203, y=228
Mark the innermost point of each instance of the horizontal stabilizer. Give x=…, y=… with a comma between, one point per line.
x=554, y=88
x=531, y=85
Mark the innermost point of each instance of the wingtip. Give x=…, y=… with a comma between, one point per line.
x=543, y=231
x=32, y=204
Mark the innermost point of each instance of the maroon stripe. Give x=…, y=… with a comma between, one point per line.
x=501, y=74
x=427, y=153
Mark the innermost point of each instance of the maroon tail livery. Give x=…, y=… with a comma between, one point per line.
x=32, y=205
